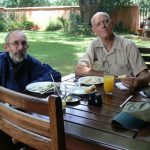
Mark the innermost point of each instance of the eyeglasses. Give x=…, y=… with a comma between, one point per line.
x=104, y=22
x=17, y=43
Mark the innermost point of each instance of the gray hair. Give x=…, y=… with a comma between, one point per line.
x=9, y=34
x=98, y=14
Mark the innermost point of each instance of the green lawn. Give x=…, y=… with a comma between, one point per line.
x=60, y=49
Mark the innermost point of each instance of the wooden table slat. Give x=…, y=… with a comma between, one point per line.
x=99, y=125
x=101, y=138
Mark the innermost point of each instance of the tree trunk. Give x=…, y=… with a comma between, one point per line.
x=87, y=9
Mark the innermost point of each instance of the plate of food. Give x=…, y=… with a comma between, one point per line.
x=40, y=87
x=72, y=99
x=91, y=80
x=83, y=90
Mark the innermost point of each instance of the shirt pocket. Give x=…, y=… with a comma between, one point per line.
x=100, y=65
x=122, y=69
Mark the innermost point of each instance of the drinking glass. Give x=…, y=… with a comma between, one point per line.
x=63, y=95
x=108, y=83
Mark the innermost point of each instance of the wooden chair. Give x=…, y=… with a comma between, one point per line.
x=145, y=52
x=33, y=131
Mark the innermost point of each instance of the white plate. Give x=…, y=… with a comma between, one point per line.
x=78, y=90
x=90, y=80
x=74, y=99
x=40, y=87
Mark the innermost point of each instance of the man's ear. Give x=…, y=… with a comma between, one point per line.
x=27, y=46
x=5, y=46
x=93, y=29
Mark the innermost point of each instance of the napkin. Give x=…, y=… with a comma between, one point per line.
x=121, y=86
x=143, y=94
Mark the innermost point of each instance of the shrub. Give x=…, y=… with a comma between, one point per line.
x=54, y=25
x=64, y=23
x=73, y=22
x=75, y=25
x=10, y=21
x=2, y=22
x=15, y=25
x=27, y=25
x=2, y=26
x=84, y=28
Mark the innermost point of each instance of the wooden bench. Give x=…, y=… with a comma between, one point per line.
x=31, y=130
x=145, y=52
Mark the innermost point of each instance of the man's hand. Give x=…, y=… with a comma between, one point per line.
x=142, y=80
x=130, y=82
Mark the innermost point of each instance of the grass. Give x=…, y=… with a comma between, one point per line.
x=139, y=41
x=61, y=50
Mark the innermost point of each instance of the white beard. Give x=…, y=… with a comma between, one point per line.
x=17, y=58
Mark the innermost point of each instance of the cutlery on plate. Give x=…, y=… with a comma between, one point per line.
x=55, y=85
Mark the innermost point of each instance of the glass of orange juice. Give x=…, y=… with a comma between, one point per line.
x=108, y=83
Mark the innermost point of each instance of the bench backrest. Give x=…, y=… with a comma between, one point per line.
x=145, y=52
x=16, y=120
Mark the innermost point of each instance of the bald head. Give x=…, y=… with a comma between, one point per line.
x=98, y=14
x=11, y=33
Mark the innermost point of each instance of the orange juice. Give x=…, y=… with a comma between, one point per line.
x=108, y=84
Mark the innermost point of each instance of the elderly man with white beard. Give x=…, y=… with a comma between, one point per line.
x=17, y=68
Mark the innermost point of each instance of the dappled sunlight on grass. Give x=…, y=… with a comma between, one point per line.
x=139, y=41
x=61, y=57
x=55, y=35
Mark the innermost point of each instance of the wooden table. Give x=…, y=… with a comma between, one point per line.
x=89, y=127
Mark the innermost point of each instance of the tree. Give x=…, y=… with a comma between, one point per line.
x=89, y=7
x=65, y=3
x=9, y=3
x=144, y=7
x=33, y=3
x=25, y=3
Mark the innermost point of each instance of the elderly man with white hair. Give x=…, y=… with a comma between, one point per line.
x=112, y=54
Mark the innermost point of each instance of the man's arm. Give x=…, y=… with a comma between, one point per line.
x=41, y=72
x=142, y=80
x=83, y=70
x=45, y=74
